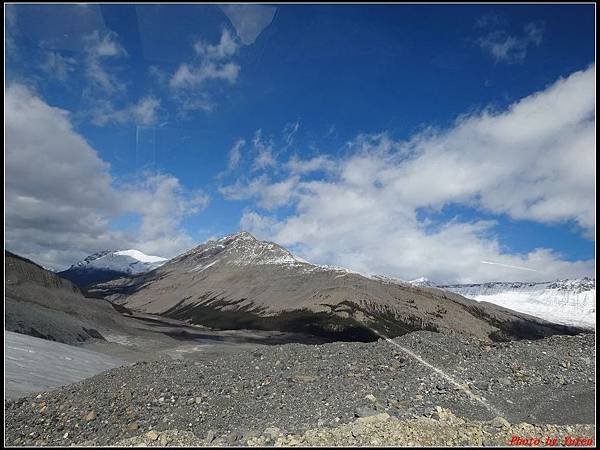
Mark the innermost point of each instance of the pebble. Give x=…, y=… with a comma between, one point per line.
x=500, y=422
x=152, y=435
x=364, y=412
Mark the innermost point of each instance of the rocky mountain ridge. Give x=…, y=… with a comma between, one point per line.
x=239, y=281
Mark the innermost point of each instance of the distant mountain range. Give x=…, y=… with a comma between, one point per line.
x=109, y=265
x=567, y=302
x=241, y=282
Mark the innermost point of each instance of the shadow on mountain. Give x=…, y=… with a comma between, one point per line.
x=523, y=329
x=331, y=326
x=327, y=326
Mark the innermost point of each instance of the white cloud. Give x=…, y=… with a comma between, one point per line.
x=158, y=74
x=535, y=161
x=196, y=101
x=235, y=154
x=226, y=48
x=144, y=112
x=534, y=32
x=234, y=158
x=99, y=47
x=268, y=195
x=490, y=20
x=289, y=132
x=264, y=160
x=58, y=66
x=104, y=91
x=249, y=20
x=104, y=45
x=504, y=47
x=162, y=203
x=190, y=77
x=299, y=166
x=62, y=201
x=102, y=79
x=214, y=64
x=264, y=149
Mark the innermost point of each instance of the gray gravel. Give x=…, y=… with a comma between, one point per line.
x=297, y=387
x=442, y=429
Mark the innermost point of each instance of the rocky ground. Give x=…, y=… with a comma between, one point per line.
x=436, y=389
x=442, y=428
x=32, y=364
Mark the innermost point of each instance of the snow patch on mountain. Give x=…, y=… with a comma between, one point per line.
x=136, y=254
x=202, y=267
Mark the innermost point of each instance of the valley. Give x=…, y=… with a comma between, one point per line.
x=239, y=343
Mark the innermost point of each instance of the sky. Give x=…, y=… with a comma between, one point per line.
x=452, y=142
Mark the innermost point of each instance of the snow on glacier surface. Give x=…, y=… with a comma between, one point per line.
x=569, y=302
x=33, y=364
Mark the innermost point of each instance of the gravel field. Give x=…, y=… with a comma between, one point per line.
x=297, y=387
x=441, y=429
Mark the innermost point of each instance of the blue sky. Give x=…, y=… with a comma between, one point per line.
x=327, y=128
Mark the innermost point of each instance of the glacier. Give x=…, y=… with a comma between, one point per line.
x=568, y=302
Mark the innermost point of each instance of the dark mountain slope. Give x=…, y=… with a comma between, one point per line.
x=40, y=303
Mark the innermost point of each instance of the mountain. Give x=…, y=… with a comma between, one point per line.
x=109, y=265
x=422, y=282
x=39, y=303
x=241, y=282
x=569, y=302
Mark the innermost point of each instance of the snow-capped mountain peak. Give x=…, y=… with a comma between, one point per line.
x=239, y=249
x=123, y=261
x=109, y=265
x=576, y=285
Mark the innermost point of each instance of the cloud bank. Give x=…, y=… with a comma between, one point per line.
x=369, y=211
x=62, y=202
